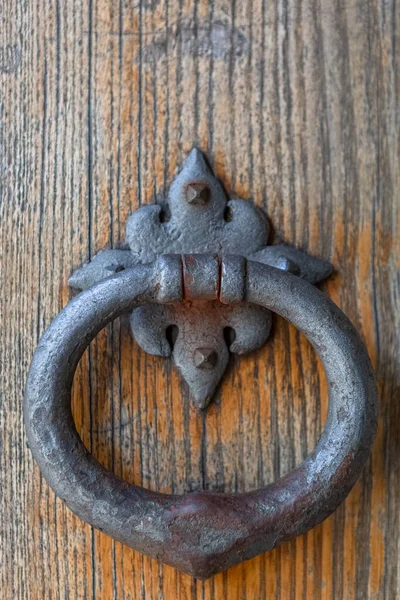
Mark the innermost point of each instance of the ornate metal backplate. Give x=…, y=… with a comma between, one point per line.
x=198, y=218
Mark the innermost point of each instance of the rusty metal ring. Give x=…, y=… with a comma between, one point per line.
x=203, y=533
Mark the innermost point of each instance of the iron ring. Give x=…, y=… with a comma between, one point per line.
x=202, y=533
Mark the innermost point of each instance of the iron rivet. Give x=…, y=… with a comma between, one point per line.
x=198, y=194
x=205, y=358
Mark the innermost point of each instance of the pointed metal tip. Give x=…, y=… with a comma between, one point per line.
x=327, y=270
x=75, y=281
x=185, y=193
x=202, y=401
x=196, y=154
x=196, y=160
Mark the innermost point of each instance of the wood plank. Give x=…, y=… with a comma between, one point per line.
x=296, y=104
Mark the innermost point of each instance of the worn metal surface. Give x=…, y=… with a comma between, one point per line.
x=204, y=532
x=198, y=218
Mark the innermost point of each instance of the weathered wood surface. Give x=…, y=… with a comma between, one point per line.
x=296, y=104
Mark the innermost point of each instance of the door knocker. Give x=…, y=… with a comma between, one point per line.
x=201, y=263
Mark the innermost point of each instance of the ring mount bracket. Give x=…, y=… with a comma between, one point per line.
x=198, y=218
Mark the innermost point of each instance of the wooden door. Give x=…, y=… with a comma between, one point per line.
x=296, y=104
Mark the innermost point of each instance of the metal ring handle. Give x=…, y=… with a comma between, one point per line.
x=202, y=533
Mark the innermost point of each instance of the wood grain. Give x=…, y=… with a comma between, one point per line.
x=296, y=104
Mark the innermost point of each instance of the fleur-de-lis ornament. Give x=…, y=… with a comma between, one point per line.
x=198, y=218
